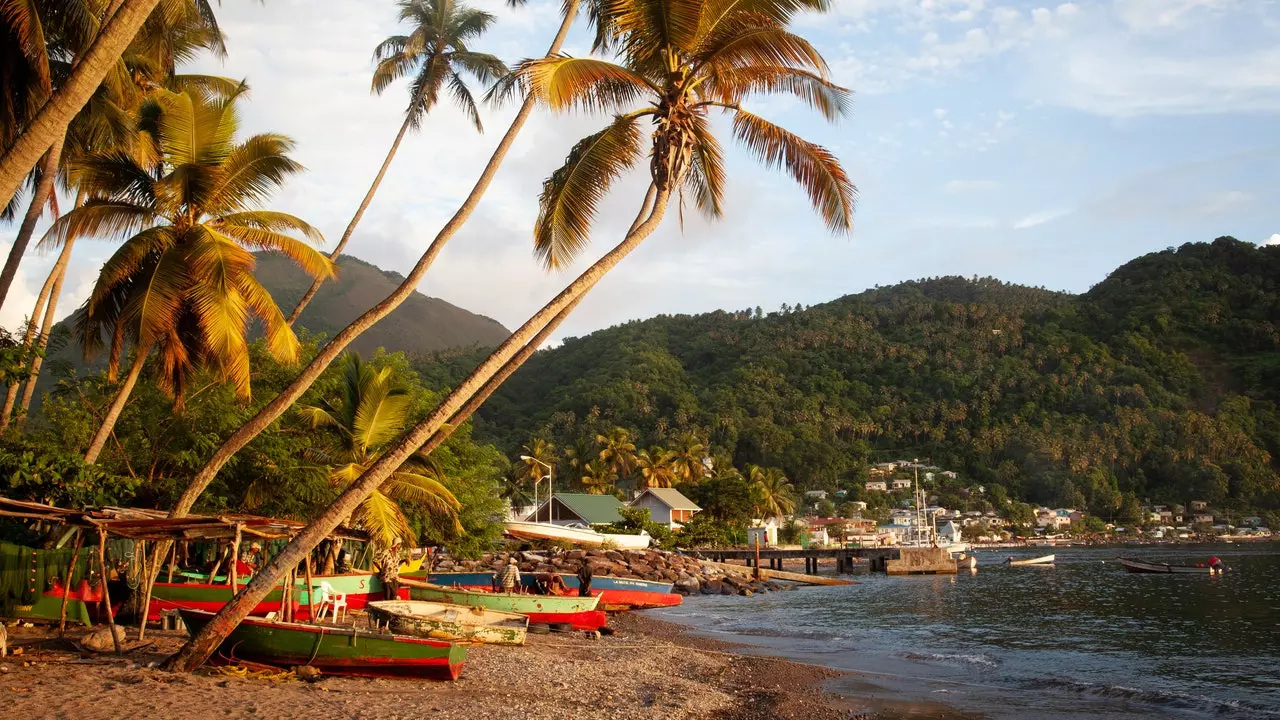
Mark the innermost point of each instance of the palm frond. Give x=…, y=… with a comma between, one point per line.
x=313, y=262
x=587, y=84
x=379, y=416
x=97, y=218
x=315, y=417
x=705, y=178
x=756, y=42
x=252, y=172
x=273, y=220
x=462, y=97
x=734, y=85
x=281, y=341
x=379, y=516
x=572, y=194
x=812, y=166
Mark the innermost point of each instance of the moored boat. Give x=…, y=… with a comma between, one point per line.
x=440, y=621
x=334, y=650
x=1042, y=560
x=1139, y=566
x=578, y=612
x=615, y=593
x=359, y=589
x=574, y=536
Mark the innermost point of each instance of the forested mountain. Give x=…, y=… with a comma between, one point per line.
x=1160, y=381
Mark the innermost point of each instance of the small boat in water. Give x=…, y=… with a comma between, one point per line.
x=578, y=612
x=1042, y=560
x=439, y=621
x=334, y=650
x=574, y=536
x=1139, y=566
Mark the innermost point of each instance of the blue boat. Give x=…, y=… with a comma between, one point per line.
x=615, y=593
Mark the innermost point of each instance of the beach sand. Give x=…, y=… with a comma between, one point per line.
x=648, y=668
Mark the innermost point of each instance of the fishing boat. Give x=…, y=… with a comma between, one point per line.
x=1042, y=560
x=359, y=589
x=439, y=621
x=578, y=612
x=334, y=650
x=1139, y=566
x=615, y=593
x=585, y=537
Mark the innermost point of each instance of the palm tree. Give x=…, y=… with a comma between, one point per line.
x=685, y=57
x=536, y=457
x=656, y=468
x=577, y=455
x=285, y=399
x=369, y=413
x=775, y=496
x=687, y=457
x=182, y=283
x=435, y=53
x=599, y=478
x=618, y=451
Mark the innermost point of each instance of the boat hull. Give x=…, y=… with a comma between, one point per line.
x=615, y=593
x=333, y=650
x=579, y=612
x=1044, y=560
x=574, y=536
x=1138, y=566
x=439, y=621
x=360, y=589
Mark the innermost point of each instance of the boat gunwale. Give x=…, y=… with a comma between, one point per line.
x=335, y=630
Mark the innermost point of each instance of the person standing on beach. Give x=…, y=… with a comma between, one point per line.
x=509, y=580
x=389, y=570
x=584, y=580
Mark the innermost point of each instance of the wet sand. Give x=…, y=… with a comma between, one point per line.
x=648, y=668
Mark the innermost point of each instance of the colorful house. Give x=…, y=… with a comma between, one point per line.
x=667, y=506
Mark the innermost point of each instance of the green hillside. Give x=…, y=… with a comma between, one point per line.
x=1160, y=381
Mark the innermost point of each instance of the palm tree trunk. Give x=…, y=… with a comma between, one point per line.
x=58, y=273
x=44, y=189
x=51, y=122
x=198, y=649
x=11, y=397
x=334, y=348
x=355, y=220
x=113, y=413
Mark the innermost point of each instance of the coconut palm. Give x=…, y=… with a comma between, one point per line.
x=370, y=412
x=774, y=495
x=682, y=58
x=435, y=54
x=536, y=457
x=618, y=451
x=598, y=478
x=687, y=457
x=656, y=468
x=182, y=284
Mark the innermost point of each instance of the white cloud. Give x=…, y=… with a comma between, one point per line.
x=1149, y=15
x=1273, y=240
x=1039, y=218
x=958, y=187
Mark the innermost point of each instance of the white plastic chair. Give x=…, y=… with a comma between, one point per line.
x=332, y=600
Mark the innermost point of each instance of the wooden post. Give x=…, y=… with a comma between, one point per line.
x=235, y=561
x=757, y=557
x=66, y=582
x=311, y=601
x=149, y=585
x=106, y=594
x=173, y=560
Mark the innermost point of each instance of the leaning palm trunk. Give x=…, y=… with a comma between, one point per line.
x=282, y=402
x=355, y=219
x=43, y=191
x=198, y=649
x=113, y=413
x=11, y=398
x=57, y=275
x=51, y=122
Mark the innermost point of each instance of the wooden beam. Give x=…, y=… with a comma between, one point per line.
x=66, y=583
x=106, y=594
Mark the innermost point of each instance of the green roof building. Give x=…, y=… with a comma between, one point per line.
x=571, y=508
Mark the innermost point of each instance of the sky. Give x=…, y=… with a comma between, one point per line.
x=1043, y=144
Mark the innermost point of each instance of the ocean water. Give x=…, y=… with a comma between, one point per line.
x=1081, y=639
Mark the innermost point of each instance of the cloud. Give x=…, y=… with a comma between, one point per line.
x=959, y=187
x=1039, y=218
x=1273, y=240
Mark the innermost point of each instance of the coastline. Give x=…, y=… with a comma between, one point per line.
x=648, y=668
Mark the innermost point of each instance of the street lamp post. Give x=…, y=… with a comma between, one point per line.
x=528, y=458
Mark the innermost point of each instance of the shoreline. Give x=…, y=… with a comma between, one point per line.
x=648, y=668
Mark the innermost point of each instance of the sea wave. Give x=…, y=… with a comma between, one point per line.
x=1164, y=699
x=953, y=658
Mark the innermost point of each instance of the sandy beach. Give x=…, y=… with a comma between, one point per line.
x=648, y=668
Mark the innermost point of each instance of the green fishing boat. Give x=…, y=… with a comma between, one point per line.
x=578, y=612
x=334, y=650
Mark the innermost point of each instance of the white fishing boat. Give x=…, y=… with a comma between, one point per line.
x=441, y=621
x=523, y=530
x=1042, y=560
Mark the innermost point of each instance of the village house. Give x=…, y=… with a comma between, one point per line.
x=579, y=509
x=667, y=506
x=815, y=495
x=1198, y=505
x=765, y=532
x=900, y=484
x=1201, y=518
x=859, y=505
x=877, y=486
x=950, y=474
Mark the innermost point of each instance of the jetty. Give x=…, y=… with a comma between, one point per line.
x=847, y=561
